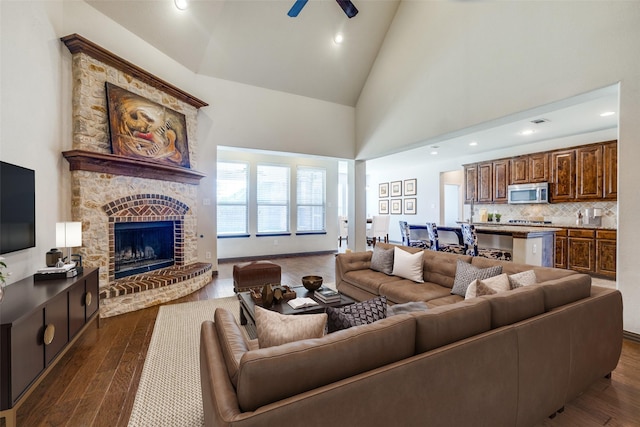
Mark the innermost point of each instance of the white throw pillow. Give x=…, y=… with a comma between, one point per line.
x=407, y=265
x=524, y=278
x=499, y=283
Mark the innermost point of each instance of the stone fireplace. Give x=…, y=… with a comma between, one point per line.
x=138, y=217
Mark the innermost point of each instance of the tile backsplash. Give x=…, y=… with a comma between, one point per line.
x=557, y=213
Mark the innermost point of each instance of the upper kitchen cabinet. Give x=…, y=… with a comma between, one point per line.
x=470, y=183
x=519, y=170
x=485, y=182
x=610, y=170
x=589, y=178
x=538, y=167
x=563, y=175
x=500, y=180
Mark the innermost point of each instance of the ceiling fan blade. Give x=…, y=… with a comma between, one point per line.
x=296, y=8
x=348, y=7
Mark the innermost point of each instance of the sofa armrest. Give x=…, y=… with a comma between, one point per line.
x=351, y=261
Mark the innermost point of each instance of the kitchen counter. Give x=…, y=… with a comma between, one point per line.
x=554, y=225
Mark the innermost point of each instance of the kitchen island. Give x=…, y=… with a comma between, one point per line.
x=528, y=244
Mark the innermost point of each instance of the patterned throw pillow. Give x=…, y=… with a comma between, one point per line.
x=482, y=289
x=276, y=329
x=467, y=273
x=360, y=313
x=382, y=260
x=524, y=278
x=499, y=283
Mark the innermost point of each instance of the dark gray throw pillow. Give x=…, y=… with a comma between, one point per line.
x=467, y=273
x=360, y=313
x=407, y=307
x=382, y=260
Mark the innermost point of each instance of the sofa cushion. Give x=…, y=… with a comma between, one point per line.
x=275, y=373
x=499, y=283
x=563, y=291
x=382, y=260
x=404, y=290
x=276, y=329
x=511, y=307
x=408, y=265
x=524, y=278
x=367, y=279
x=467, y=273
x=446, y=324
x=360, y=313
x=232, y=341
x=440, y=267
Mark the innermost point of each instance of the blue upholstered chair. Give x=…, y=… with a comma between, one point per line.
x=470, y=239
x=432, y=230
x=405, y=232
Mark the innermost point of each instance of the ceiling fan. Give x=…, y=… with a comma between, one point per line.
x=346, y=5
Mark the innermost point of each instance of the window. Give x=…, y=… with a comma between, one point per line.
x=311, y=199
x=232, y=184
x=273, y=199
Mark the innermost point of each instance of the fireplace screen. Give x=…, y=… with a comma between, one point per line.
x=143, y=246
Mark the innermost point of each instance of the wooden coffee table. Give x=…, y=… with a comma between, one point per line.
x=247, y=306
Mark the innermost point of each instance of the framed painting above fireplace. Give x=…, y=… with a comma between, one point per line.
x=143, y=129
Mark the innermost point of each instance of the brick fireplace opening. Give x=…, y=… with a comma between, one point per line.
x=141, y=247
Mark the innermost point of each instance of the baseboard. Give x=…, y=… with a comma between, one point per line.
x=272, y=256
x=631, y=336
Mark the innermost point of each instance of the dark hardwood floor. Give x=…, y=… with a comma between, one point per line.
x=95, y=382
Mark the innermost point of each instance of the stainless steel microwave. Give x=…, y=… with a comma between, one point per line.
x=528, y=193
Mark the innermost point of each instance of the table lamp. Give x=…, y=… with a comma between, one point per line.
x=69, y=235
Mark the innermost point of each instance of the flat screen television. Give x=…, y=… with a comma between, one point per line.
x=17, y=208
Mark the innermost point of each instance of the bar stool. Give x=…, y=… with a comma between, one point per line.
x=470, y=239
x=432, y=230
x=405, y=231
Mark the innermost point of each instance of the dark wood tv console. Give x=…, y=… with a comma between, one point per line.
x=39, y=321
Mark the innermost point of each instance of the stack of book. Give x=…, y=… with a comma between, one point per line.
x=327, y=295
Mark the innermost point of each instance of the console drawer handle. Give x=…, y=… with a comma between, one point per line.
x=49, y=333
x=87, y=299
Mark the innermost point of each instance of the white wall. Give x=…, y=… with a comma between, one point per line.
x=272, y=245
x=465, y=63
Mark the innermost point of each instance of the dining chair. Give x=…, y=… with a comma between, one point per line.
x=432, y=230
x=379, y=230
x=343, y=230
x=470, y=239
x=405, y=232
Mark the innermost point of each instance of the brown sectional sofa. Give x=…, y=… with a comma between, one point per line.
x=509, y=359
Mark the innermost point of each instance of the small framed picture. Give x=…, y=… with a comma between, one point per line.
x=383, y=207
x=383, y=190
x=396, y=206
x=396, y=189
x=410, y=188
x=410, y=206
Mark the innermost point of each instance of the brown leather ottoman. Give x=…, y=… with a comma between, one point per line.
x=254, y=274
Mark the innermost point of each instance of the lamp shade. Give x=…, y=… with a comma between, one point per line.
x=68, y=234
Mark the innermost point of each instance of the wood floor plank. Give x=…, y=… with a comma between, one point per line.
x=95, y=383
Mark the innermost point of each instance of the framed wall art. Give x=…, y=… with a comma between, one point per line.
x=383, y=190
x=410, y=187
x=396, y=188
x=396, y=206
x=383, y=207
x=410, y=206
x=145, y=130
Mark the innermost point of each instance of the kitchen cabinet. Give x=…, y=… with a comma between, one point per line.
x=581, y=250
x=563, y=175
x=606, y=253
x=500, y=180
x=538, y=169
x=589, y=178
x=561, y=248
x=39, y=320
x=519, y=170
x=610, y=170
x=485, y=182
x=470, y=183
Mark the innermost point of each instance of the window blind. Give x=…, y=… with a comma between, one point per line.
x=273, y=198
x=232, y=200
x=311, y=199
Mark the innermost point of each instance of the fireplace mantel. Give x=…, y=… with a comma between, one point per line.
x=120, y=165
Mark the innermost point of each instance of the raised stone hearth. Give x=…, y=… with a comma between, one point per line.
x=107, y=189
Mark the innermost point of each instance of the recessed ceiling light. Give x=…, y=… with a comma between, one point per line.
x=527, y=132
x=434, y=153
x=181, y=4
x=339, y=38
x=473, y=143
x=607, y=113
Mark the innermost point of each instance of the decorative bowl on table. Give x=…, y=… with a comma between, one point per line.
x=312, y=283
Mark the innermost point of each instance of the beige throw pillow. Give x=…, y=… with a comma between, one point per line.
x=499, y=283
x=524, y=278
x=276, y=329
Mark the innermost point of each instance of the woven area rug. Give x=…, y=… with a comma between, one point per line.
x=169, y=392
